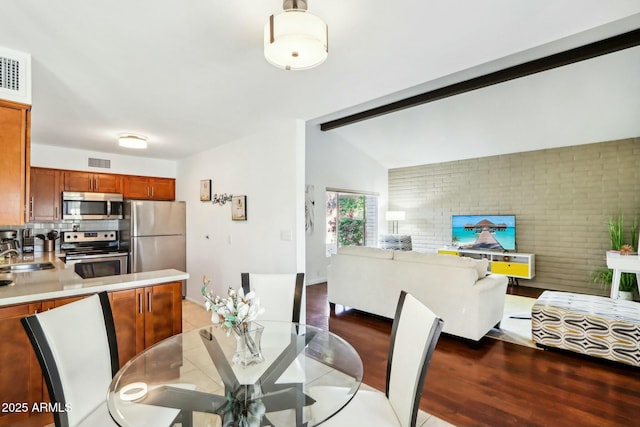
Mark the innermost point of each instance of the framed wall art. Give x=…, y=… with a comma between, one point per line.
x=239, y=208
x=205, y=190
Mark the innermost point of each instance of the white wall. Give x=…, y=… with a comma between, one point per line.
x=47, y=156
x=267, y=168
x=332, y=162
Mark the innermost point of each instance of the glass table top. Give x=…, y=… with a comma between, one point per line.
x=306, y=375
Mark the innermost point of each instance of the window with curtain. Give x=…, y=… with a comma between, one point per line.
x=351, y=219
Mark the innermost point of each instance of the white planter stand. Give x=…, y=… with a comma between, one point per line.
x=625, y=295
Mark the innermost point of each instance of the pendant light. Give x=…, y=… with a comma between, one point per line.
x=295, y=39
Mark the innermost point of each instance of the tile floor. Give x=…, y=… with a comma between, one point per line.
x=194, y=316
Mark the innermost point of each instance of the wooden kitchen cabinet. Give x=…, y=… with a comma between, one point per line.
x=163, y=312
x=149, y=188
x=162, y=188
x=21, y=382
x=44, y=204
x=92, y=182
x=14, y=161
x=54, y=303
x=142, y=317
x=127, y=307
x=46, y=185
x=145, y=316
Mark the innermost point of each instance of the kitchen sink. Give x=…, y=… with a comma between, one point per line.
x=24, y=268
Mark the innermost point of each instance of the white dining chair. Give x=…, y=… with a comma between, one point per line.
x=78, y=353
x=414, y=335
x=281, y=295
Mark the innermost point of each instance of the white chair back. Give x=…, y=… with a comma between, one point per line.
x=279, y=294
x=77, y=336
x=416, y=330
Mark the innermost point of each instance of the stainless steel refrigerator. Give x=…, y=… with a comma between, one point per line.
x=154, y=234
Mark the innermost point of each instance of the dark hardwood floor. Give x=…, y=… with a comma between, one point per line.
x=495, y=383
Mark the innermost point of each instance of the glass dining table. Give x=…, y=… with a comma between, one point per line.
x=303, y=376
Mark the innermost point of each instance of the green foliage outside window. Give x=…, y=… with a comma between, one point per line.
x=351, y=226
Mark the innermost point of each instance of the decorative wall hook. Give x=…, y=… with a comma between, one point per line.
x=221, y=199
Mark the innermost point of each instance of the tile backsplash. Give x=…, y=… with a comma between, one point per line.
x=45, y=227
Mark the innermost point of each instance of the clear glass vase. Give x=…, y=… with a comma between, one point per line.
x=248, y=338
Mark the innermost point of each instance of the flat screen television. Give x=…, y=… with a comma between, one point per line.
x=484, y=232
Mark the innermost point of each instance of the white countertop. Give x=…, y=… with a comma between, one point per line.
x=64, y=282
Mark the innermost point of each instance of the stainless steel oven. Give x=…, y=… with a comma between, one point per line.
x=90, y=266
x=94, y=253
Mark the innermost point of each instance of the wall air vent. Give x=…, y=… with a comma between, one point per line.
x=15, y=76
x=99, y=163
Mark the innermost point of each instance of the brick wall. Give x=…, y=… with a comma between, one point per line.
x=562, y=199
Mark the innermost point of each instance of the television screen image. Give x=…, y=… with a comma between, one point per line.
x=484, y=232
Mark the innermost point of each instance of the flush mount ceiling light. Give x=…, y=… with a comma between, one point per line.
x=129, y=140
x=295, y=39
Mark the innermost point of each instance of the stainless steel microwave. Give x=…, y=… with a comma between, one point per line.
x=79, y=205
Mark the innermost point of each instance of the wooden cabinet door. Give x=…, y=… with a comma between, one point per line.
x=107, y=183
x=163, y=312
x=78, y=181
x=45, y=195
x=54, y=303
x=163, y=188
x=21, y=379
x=136, y=187
x=14, y=162
x=127, y=307
x=93, y=182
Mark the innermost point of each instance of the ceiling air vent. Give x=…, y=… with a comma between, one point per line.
x=15, y=76
x=99, y=163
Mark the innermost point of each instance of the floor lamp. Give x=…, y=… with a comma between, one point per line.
x=394, y=217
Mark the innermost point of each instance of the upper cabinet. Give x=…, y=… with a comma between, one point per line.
x=94, y=182
x=14, y=161
x=149, y=188
x=47, y=184
x=45, y=194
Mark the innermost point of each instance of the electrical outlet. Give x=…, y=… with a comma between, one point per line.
x=286, y=235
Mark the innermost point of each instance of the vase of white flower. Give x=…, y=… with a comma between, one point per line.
x=236, y=314
x=248, y=351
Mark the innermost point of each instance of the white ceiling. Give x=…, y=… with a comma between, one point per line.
x=191, y=75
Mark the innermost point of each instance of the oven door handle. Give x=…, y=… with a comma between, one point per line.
x=96, y=258
x=93, y=257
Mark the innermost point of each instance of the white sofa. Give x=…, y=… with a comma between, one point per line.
x=457, y=289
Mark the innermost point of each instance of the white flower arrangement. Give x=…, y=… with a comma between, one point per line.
x=234, y=312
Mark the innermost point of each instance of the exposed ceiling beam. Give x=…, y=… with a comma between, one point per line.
x=592, y=50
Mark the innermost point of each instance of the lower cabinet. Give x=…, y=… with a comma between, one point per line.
x=145, y=316
x=21, y=382
x=142, y=317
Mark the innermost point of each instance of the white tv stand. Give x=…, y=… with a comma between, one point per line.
x=512, y=264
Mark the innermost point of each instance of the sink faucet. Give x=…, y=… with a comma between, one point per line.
x=8, y=252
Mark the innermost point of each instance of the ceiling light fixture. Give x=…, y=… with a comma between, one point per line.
x=295, y=39
x=129, y=140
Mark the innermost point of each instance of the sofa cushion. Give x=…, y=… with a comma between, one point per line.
x=480, y=265
x=365, y=251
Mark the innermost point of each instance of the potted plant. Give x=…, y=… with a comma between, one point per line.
x=604, y=276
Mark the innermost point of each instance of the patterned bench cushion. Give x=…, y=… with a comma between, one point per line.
x=588, y=324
